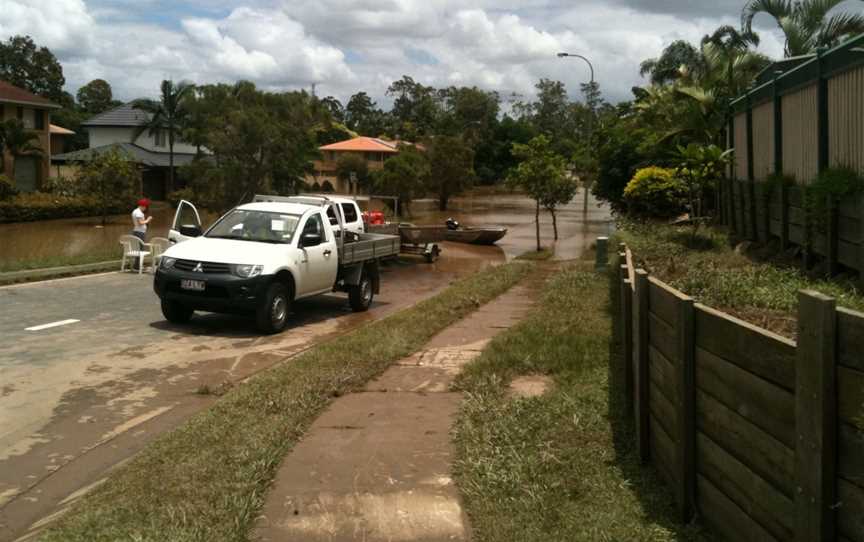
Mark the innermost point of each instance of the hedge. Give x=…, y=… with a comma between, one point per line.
x=40, y=206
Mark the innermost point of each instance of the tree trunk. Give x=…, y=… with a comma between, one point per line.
x=537, y=224
x=554, y=222
x=443, y=197
x=585, y=203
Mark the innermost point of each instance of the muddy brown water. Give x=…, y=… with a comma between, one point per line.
x=78, y=236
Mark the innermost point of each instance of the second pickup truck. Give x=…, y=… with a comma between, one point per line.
x=260, y=257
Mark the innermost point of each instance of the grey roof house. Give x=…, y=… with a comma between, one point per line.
x=121, y=129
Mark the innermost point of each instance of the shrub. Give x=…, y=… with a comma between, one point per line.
x=656, y=192
x=327, y=187
x=184, y=193
x=7, y=188
x=41, y=206
x=62, y=186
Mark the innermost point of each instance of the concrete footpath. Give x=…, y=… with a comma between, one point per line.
x=376, y=465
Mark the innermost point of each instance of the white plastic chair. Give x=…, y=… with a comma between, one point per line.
x=158, y=246
x=133, y=248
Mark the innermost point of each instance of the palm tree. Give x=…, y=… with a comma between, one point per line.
x=18, y=140
x=168, y=113
x=805, y=23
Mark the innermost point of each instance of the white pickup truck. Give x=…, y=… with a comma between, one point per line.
x=259, y=257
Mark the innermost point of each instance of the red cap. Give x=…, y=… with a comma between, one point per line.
x=144, y=202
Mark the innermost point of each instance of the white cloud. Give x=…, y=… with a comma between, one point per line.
x=65, y=26
x=349, y=45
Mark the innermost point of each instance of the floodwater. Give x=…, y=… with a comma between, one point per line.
x=79, y=236
x=78, y=399
x=69, y=237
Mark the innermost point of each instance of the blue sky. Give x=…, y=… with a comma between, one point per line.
x=344, y=46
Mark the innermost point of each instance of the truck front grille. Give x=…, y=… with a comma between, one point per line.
x=206, y=267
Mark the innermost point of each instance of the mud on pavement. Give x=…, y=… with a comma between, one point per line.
x=77, y=400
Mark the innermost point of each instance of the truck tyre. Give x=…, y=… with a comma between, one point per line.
x=360, y=296
x=272, y=313
x=175, y=312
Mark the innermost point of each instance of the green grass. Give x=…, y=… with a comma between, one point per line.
x=562, y=466
x=94, y=256
x=760, y=292
x=536, y=255
x=208, y=479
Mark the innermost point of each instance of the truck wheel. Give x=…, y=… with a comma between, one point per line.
x=272, y=313
x=360, y=296
x=175, y=312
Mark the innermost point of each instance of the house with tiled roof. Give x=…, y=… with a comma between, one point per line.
x=374, y=150
x=28, y=172
x=122, y=129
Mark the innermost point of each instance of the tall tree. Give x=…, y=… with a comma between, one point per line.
x=334, y=106
x=95, y=97
x=541, y=173
x=168, y=113
x=34, y=68
x=452, y=167
x=403, y=176
x=806, y=24
x=416, y=108
x=667, y=67
x=363, y=117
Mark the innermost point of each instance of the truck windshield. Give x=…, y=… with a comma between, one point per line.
x=260, y=226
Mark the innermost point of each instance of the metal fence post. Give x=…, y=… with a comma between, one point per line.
x=816, y=418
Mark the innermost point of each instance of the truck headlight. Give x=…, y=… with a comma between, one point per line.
x=167, y=263
x=248, y=271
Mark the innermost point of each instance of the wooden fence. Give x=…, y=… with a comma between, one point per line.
x=804, y=115
x=762, y=211
x=761, y=436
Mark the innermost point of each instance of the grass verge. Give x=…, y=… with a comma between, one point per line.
x=716, y=274
x=561, y=466
x=94, y=256
x=208, y=479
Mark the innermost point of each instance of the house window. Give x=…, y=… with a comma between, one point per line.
x=38, y=119
x=27, y=118
x=2, y=113
x=159, y=136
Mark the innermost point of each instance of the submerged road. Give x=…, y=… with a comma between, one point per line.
x=90, y=371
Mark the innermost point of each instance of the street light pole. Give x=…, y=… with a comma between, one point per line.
x=590, y=66
x=590, y=118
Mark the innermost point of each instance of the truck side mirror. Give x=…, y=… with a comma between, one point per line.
x=190, y=230
x=310, y=240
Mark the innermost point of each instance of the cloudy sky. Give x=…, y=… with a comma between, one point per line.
x=344, y=46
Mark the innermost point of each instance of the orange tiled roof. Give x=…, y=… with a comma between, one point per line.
x=12, y=94
x=363, y=144
x=59, y=130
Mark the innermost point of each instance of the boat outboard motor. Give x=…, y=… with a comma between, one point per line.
x=452, y=224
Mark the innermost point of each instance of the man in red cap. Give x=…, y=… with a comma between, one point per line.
x=140, y=221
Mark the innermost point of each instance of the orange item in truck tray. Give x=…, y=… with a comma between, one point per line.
x=374, y=218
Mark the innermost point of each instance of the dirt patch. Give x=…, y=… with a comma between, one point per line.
x=529, y=386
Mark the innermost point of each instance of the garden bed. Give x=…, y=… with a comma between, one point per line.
x=711, y=270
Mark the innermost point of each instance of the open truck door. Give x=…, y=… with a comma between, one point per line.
x=187, y=223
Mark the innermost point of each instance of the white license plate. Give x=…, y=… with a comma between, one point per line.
x=197, y=285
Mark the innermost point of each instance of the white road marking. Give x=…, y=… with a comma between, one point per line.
x=52, y=324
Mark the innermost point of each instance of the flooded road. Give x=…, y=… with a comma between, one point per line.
x=81, y=398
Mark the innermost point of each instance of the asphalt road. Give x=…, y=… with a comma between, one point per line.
x=90, y=371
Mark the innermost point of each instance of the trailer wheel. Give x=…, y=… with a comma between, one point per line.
x=432, y=254
x=360, y=296
x=272, y=313
x=175, y=312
